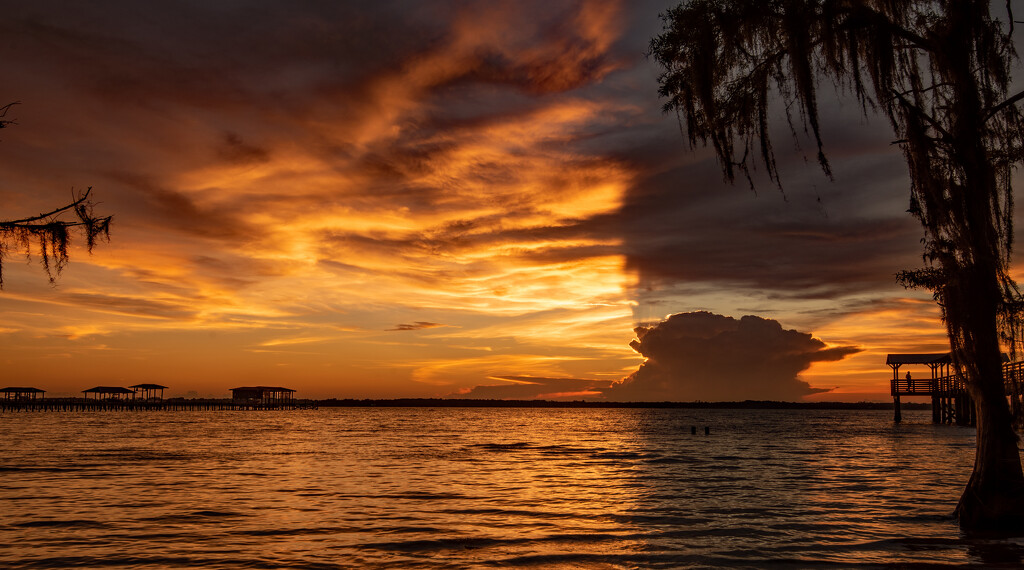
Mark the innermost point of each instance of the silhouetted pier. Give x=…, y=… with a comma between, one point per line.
x=149, y=397
x=129, y=405
x=951, y=402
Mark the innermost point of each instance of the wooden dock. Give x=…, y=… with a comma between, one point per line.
x=951, y=402
x=139, y=405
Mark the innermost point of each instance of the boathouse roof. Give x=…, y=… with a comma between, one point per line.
x=149, y=387
x=929, y=358
x=14, y=389
x=926, y=358
x=109, y=390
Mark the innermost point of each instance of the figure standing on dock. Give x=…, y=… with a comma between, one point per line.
x=910, y=382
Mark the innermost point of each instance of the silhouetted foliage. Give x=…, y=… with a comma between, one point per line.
x=3, y=114
x=939, y=71
x=48, y=233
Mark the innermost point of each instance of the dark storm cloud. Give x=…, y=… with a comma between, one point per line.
x=682, y=224
x=704, y=356
x=288, y=52
x=202, y=52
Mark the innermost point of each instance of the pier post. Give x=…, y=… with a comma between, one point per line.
x=897, y=416
x=963, y=414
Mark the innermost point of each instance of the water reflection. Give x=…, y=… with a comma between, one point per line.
x=437, y=487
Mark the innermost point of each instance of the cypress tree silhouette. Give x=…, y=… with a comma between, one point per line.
x=939, y=71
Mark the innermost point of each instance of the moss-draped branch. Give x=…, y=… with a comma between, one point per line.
x=49, y=233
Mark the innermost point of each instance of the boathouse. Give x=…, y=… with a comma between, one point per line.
x=951, y=402
x=263, y=395
x=148, y=392
x=108, y=393
x=21, y=394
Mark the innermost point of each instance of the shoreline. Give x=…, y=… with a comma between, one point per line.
x=208, y=404
x=482, y=403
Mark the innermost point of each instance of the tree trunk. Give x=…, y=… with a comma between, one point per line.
x=994, y=497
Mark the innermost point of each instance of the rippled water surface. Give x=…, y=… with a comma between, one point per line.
x=407, y=487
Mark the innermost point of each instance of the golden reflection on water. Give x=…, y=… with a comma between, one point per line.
x=469, y=487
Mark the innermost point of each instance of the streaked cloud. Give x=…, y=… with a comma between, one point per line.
x=418, y=325
x=531, y=388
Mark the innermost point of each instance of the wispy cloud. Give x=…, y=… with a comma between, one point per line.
x=418, y=325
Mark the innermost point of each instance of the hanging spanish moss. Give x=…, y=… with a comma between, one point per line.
x=49, y=235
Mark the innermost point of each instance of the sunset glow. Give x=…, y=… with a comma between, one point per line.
x=481, y=200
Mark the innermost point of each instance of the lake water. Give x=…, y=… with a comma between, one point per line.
x=475, y=487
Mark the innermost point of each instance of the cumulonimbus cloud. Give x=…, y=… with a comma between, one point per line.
x=710, y=357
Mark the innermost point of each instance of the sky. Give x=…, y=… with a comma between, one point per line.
x=430, y=199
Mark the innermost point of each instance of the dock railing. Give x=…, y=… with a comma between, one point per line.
x=1013, y=377
x=953, y=384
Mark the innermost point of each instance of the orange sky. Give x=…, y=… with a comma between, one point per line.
x=414, y=200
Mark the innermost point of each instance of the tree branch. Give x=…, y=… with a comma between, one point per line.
x=3, y=113
x=916, y=40
x=1012, y=100
x=28, y=221
x=928, y=118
